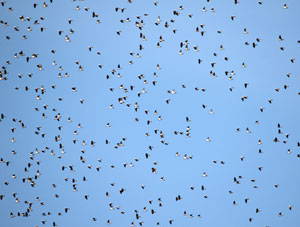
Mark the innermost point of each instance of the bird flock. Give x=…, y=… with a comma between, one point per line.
x=149, y=113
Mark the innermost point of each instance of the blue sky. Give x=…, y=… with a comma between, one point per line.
x=213, y=136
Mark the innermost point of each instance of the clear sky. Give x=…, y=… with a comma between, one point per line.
x=141, y=113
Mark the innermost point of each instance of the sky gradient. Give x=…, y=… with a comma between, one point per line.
x=96, y=100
